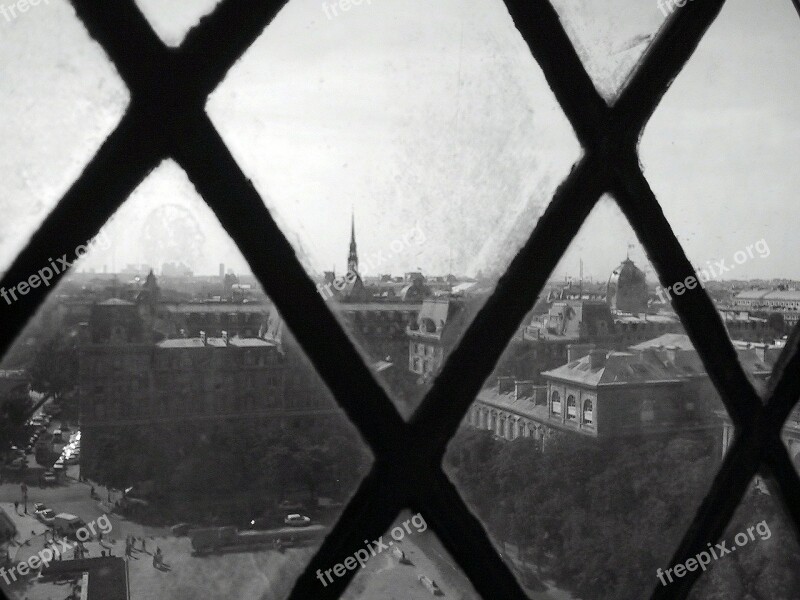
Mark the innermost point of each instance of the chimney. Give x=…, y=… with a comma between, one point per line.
x=597, y=358
x=523, y=389
x=505, y=385
x=203, y=337
x=576, y=351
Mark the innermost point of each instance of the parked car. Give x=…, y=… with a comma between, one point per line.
x=430, y=584
x=38, y=507
x=47, y=516
x=49, y=477
x=67, y=525
x=297, y=520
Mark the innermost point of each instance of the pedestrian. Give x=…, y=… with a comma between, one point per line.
x=144, y=545
x=16, y=506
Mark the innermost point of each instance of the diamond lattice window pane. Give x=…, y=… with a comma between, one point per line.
x=173, y=20
x=720, y=154
x=175, y=389
x=61, y=97
x=603, y=399
x=407, y=562
x=611, y=36
x=406, y=159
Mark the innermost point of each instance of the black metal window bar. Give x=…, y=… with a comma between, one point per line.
x=166, y=118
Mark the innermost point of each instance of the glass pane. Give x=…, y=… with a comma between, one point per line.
x=758, y=556
x=611, y=36
x=406, y=159
x=602, y=397
x=723, y=143
x=173, y=20
x=407, y=562
x=175, y=400
x=61, y=97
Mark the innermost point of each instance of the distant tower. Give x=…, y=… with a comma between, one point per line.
x=352, y=257
x=627, y=289
x=150, y=292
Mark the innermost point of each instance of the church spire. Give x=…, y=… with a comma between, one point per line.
x=352, y=257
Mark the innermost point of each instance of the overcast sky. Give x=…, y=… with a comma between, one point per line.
x=419, y=114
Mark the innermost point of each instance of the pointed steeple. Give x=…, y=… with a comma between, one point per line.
x=352, y=257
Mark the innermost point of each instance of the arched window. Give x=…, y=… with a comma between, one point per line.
x=588, y=413
x=572, y=408
x=555, y=400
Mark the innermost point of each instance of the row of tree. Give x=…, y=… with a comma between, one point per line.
x=599, y=517
x=236, y=469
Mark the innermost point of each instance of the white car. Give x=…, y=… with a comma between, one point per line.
x=430, y=585
x=47, y=516
x=297, y=520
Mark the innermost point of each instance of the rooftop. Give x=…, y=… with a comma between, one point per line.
x=523, y=406
x=626, y=367
x=215, y=342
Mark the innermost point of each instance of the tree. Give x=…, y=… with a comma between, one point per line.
x=14, y=410
x=54, y=369
x=600, y=516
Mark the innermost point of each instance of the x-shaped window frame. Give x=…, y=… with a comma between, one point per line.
x=167, y=119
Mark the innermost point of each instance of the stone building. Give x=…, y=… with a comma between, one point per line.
x=129, y=379
x=655, y=388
